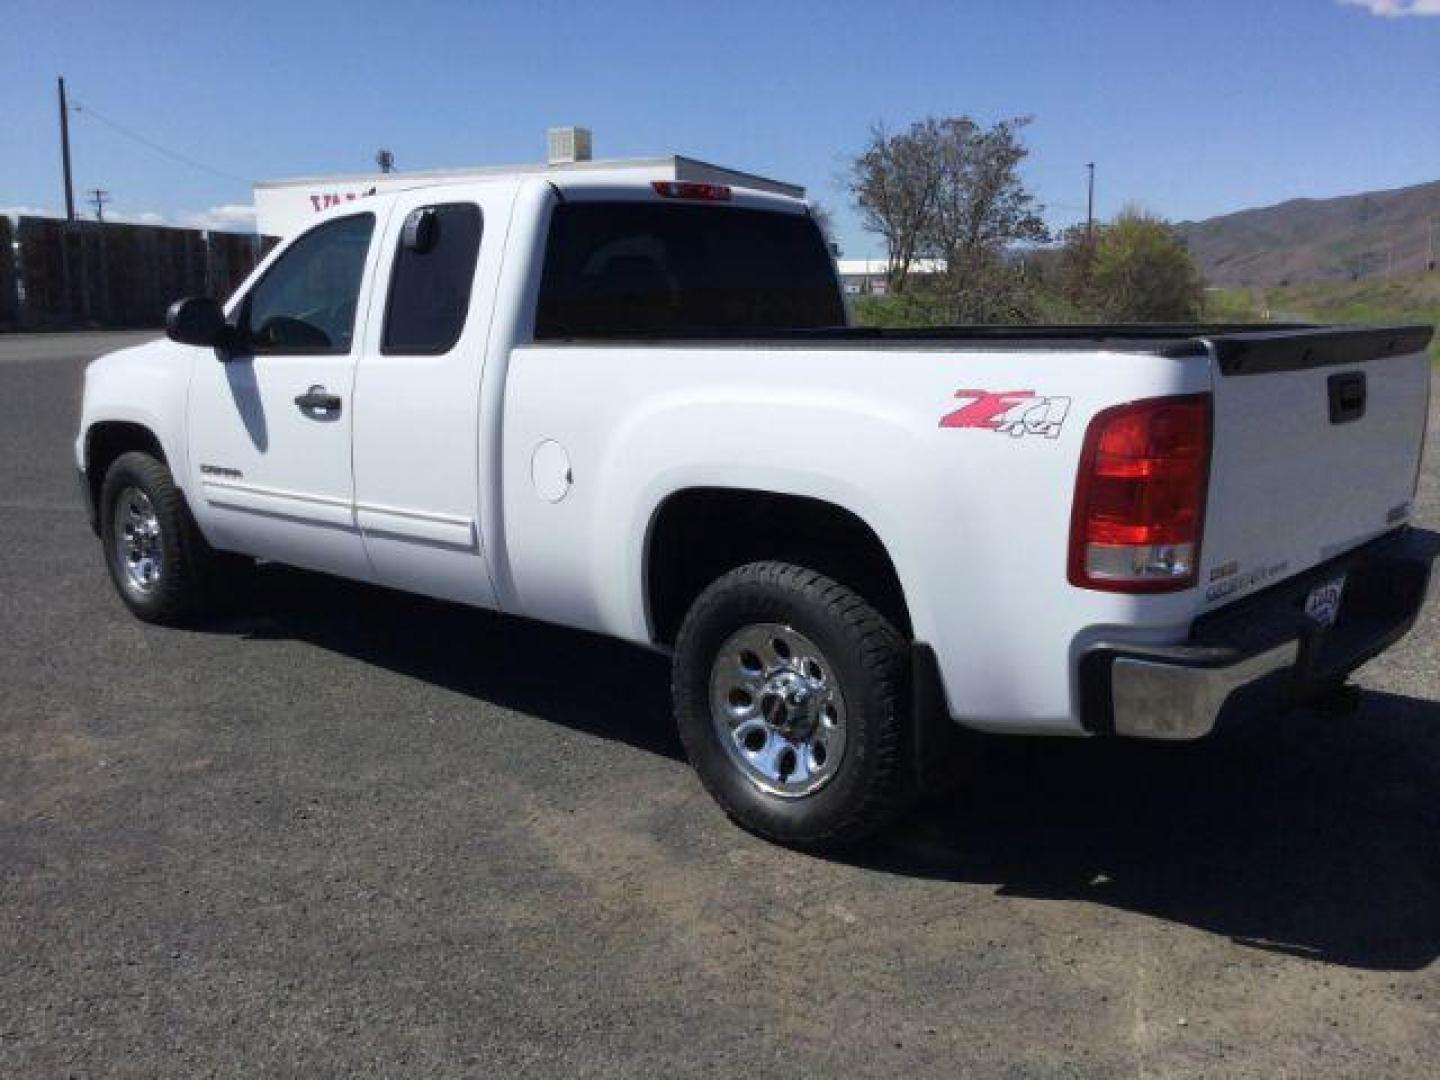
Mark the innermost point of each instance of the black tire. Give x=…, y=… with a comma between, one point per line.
x=192, y=577
x=870, y=785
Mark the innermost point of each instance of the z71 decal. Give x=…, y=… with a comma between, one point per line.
x=1012, y=412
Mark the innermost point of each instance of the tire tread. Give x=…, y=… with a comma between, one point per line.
x=882, y=655
x=191, y=579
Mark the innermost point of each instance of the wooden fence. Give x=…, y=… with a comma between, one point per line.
x=59, y=275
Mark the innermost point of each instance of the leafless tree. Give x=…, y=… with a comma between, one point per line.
x=951, y=189
x=982, y=208
x=894, y=182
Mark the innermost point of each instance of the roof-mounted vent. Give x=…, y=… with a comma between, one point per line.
x=567, y=145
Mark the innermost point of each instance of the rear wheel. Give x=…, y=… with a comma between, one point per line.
x=162, y=567
x=788, y=693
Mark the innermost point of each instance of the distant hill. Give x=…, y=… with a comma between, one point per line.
x=1414, y=298
x=1347, y=238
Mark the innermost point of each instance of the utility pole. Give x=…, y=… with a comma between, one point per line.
x=1090, y=204
x=65, y=152
x=99, y=196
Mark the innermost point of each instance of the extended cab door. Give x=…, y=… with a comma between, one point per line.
x=269, y=428
x=418, y=445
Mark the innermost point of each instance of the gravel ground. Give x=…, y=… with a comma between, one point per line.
x=352, y=832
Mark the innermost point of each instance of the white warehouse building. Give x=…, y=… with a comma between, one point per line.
x=284, y=206
x=867, y=277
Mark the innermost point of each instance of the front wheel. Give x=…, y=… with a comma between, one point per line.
x=789, y=696
x=161, y=566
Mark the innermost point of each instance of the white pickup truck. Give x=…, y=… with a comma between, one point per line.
x=636, y=409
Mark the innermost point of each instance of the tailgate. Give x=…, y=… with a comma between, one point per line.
x=1317, y=441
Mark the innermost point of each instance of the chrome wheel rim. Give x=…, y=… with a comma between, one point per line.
x=139, y=555
x=778, y=709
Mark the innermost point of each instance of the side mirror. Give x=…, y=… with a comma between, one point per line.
x=196, y=320
x=420, y=231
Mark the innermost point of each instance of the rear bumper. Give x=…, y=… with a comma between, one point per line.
x=1261, y=650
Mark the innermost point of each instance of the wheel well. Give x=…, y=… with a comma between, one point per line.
x=105, y=442
x=699, y=534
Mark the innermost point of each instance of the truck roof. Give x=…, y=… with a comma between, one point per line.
x=664, y=166
x=587, y=187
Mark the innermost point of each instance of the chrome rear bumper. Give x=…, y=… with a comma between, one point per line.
x=1263, y=649
x=1165, y=700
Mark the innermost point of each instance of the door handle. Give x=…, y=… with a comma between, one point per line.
x=319, y=404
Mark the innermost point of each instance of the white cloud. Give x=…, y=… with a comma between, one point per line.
x=231, y=217
x=1397, y=9
x=26, y=211
x=143, y=217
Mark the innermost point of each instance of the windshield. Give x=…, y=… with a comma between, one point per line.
x=617, y=270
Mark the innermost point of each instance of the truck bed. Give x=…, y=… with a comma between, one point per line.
x=1241, y=348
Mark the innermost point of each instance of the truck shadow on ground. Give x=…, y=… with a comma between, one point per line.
x=1309, y=835
x=1305, y=834
x=587, y=682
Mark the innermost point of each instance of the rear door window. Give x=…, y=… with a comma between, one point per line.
x=431, y=280
x=641, y=269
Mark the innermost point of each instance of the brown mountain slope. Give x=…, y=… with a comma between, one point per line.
x=1354, y=236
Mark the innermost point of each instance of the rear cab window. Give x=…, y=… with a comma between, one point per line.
x=642, y=269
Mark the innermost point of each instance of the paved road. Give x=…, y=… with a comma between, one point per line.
x=351, y=832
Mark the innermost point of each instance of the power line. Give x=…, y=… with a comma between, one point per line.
x=174, y=155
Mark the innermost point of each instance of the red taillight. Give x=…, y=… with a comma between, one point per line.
x=688, y=189
x=1140, y=496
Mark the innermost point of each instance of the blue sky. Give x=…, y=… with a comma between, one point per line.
x=1188, y=108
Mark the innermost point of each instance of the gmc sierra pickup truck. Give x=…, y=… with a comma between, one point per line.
x=637, y=409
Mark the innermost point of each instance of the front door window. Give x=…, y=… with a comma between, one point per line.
x=306, y=302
